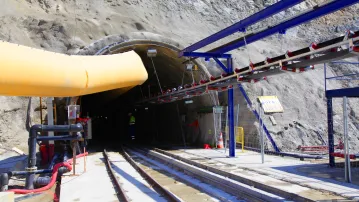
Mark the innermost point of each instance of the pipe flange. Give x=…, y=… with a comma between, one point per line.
x=32, y=169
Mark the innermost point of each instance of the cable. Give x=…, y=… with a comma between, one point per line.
x=245, y=45
x=183, y=78
x=193, y=81
x=280, y=41
x=141, y=91
x=158, y=80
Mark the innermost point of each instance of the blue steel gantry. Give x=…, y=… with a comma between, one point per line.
x=296, y=61
x=241, y=26
x=336, y=93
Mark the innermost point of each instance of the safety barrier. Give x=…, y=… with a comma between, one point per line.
x=240, y=136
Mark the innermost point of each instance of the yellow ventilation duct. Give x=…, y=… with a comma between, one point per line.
x=27, y=71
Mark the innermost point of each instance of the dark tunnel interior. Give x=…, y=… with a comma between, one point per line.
x=154, y=123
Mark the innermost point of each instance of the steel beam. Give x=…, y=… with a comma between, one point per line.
x=330, y=131
x=314, y=13
x=206, y=55
x=221, y=65
x=232, y=139
x=347, y=92
x=348, y=177
x=336, y=77
x=243, y=24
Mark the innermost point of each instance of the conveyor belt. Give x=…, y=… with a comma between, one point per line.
x=297, y=61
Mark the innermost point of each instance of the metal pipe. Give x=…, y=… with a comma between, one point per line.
x=348, y=177
x=301, y=156
x=4, y=181
x=42, y=181
x=325, y=78
x=345, y=62
x=215, y=128
x=62, y=137
x=225, y=132
x=16, y=173
x=53, y=161
x=50, y=116
x=335, y=77
x=32, y=146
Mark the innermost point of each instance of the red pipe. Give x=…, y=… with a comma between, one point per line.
x=337, y=154
x=53, y=177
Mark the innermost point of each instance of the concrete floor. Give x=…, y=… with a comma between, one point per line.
x=305, y=173
x=92, y=185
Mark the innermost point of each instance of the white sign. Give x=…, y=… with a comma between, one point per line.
x=270, y=104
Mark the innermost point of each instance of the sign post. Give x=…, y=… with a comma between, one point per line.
x=266, y=104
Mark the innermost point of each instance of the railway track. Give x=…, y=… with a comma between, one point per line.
x=147, y=175
x=137, y=177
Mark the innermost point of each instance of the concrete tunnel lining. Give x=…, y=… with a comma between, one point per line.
x=159, y=122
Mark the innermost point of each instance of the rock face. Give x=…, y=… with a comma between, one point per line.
x=69, y=26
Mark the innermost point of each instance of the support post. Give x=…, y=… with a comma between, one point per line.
x=41, y=110
x=346, y=142
x=330, y=131
x=74, y=157
x=232, y=140
x=261, y=133
x=50, y=122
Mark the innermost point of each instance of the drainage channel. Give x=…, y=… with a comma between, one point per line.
x=182, y=186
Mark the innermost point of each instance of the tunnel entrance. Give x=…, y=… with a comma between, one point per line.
x=154, y=123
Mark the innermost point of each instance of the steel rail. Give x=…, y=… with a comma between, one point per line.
x=121, y=191
x=256, y=70
x=149, y=179
x=218, y=184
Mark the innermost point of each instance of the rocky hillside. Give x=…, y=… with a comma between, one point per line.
x=67, y=26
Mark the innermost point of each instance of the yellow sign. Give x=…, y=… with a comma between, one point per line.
x=270, y=104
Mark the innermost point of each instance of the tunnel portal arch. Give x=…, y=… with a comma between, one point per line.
x=167, y=122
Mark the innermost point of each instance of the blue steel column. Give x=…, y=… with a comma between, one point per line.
x=232, y=141
x=330, y=131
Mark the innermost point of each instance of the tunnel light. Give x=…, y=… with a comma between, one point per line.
x=188, y=102
x=146, y=108
x=189, y=67
x=151, y=52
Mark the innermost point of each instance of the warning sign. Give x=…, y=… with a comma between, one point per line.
x=270, y=104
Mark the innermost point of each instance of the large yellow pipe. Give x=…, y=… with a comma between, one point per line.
x=27, y=71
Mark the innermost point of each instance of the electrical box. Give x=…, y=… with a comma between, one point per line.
x=189, y=67
x=151, y=52
x=73, y=112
